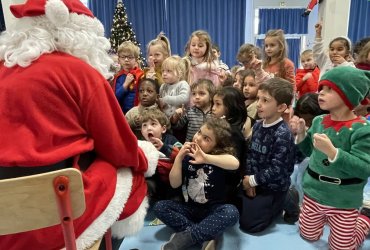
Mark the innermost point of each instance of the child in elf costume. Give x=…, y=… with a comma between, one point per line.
x=338, y=145
x=57, y=110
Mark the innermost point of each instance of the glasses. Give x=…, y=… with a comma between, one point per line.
x=126, y=57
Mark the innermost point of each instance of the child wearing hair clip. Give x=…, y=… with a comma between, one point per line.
x=158, y=50
x=338, y=145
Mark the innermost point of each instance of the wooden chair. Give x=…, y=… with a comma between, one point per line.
x=43, y=200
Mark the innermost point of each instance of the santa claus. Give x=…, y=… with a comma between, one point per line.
x=57, y=110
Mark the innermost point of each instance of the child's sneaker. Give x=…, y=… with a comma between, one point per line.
x=178, y=241
x=209, y=245
x=365, y=210
x=291, y=206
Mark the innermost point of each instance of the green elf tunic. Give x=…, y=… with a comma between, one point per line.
x=352, y=139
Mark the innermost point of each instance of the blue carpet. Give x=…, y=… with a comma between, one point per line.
x=279, y=236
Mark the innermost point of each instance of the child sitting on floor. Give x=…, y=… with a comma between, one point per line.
x=154, y=127
x=201, y=166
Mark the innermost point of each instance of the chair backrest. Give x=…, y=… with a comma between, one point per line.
x=28, y=203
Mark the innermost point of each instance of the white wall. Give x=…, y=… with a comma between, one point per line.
x=8, y=16
x=276, y=3
x=312, y=18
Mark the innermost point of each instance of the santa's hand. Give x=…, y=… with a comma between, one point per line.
x=324, y=144
x=246, y=184
x=158, y=144
x=250, y=192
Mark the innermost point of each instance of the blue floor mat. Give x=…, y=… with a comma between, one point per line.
x=279, y=236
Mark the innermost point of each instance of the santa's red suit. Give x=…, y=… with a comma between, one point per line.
x=58, y=108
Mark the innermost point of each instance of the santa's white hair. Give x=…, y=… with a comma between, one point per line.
x=80, y=36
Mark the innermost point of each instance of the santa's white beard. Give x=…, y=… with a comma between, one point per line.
x=81, y=36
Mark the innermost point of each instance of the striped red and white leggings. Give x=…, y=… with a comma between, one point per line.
x=348, y=229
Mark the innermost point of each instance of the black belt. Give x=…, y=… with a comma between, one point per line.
x=84, y=162
x=333, y=180
x=18, y=171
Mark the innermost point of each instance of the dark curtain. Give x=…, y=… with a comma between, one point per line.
x=359, y=20
x=147, y=18
x=294, y=48
x=223, y=20
x=2, y=21
x=289, y=20
x=104, y=11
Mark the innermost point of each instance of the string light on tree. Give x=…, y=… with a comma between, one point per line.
x=122, y=29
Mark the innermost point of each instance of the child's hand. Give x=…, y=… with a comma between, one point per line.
x=307, y=76
x=349, y=58
x=222, y=75
x=128, y=80
x=151, y=72
x=318, y=29
x=293, y=124
x=151, y=64
x=161, y=104
x=185, y=150
x=137, y=120
x=337, y=59
x=256, y=64
x=301, y=126
x=197, y=154
x=324, y=144
x=158, y=144
x=180, y=111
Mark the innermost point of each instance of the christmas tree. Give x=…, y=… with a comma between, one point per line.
x=122, y=29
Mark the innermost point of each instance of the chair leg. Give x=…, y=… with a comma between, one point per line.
x=108, y=240
x=61, y=188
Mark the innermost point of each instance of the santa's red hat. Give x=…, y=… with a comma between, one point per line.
x=56, y=11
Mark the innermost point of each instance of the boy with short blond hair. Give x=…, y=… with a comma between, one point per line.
x=125, y=82
x=307, y=78
x=270, y=160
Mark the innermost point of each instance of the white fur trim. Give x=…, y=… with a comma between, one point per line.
x=57, y=12
x=131, y=225
x=152, y=155
x=114, y=209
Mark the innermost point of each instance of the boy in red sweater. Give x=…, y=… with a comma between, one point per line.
x=307, y=78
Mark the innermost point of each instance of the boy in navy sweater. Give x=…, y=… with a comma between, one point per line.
x=154, y=128
x=270, y=160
